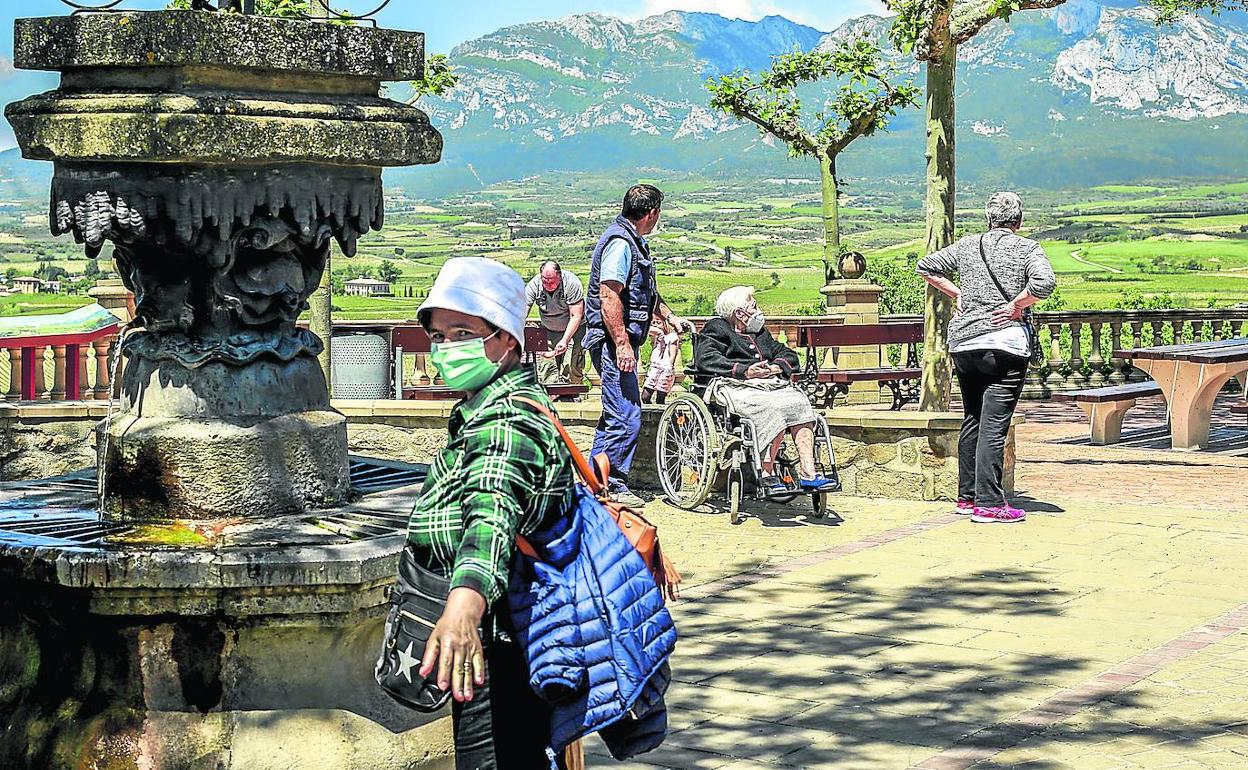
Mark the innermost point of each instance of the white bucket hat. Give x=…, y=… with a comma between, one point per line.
x=481, y=287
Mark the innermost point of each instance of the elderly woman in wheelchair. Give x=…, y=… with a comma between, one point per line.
x=742, y=407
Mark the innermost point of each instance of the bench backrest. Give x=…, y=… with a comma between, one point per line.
x=827, y=335
x=414, y=340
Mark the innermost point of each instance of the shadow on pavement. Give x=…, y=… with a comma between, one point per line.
x=831, y=673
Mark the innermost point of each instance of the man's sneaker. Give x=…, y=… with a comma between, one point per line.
x=965, y=507
x=1003, y=515
x=620, y=493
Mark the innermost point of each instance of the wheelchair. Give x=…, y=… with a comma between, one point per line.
x=702, y=447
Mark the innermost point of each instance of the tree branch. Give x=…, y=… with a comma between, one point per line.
x=971, y=16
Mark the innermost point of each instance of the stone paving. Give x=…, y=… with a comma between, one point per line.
x=1110, y=630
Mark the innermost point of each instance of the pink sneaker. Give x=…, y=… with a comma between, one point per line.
x=965, y=507
x=1005, y=515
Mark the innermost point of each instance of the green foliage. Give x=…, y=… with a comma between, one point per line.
x=701, y=305
x=864, y=103
x=10, y=274
x=903, y=287
x=1052, y=303
x=440, y=77
x=775, y=278
x=50, y=272
x=387, y=271
x=92, y=269
x=1132, y=298
x=1170, y=10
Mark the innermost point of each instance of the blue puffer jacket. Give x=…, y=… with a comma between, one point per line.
x=596, y=632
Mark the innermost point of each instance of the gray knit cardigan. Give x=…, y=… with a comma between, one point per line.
x=1017, y=262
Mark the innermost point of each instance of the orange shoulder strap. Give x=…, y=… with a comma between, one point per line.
x=595, y=477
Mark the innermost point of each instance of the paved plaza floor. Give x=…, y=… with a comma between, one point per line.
x=1110, y=630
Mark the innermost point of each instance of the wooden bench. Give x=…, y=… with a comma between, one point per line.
x=1105, y=407
x=414, y=340
x=826, y=384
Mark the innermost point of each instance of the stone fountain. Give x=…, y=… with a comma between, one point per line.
x=224, y=611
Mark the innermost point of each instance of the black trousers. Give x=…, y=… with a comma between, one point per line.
x=991, y=382
x=506, y=726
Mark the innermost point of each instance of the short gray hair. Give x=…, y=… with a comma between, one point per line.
x=732, y=300
x=1005, y=209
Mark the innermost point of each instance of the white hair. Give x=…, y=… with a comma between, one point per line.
x=1005, y=209
x=732, y=300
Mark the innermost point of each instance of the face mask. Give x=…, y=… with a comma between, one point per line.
x=756, y=322
x=464, y=365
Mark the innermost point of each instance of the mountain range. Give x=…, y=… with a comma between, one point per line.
x=1087, y=93
x=1090, y=92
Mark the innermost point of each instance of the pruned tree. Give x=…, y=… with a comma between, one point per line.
x=933, y=30
x=865, y=102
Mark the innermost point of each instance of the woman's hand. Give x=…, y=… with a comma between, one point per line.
x=758, y=371
x=1008, y=312
x=958, y=309
x=455, y=645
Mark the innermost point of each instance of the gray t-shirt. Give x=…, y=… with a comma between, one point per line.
x=552, y=307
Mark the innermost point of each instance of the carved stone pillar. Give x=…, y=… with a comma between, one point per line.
x=1096, y=360
x=15, y=375
x=103, y=380
x=221, y=154
x=58, y=373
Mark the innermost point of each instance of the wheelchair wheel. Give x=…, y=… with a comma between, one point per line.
x=687, y=449
x=819, y=501
x=734, y=497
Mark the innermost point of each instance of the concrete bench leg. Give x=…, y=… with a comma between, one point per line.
x=1106, y=419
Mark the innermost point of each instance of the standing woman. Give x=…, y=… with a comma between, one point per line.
x=1001, y=274
x=505, y=471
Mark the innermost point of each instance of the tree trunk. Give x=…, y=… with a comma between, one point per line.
x=938, y=309
x=831, y=215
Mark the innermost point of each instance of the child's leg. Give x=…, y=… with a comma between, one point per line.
x=647, y=395
x=661, y=397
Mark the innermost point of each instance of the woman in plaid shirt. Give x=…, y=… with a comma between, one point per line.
x=505, y=471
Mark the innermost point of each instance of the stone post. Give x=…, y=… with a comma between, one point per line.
x=857, y=301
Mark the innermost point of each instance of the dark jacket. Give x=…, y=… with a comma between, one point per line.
x=640, y=297
x=722, y=351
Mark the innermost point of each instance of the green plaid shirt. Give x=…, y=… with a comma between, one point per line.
x=504, y=471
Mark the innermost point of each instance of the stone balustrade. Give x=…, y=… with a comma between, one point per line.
x=30, y=371
x=1079, y=345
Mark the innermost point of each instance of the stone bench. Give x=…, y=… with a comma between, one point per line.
x=1106, y=407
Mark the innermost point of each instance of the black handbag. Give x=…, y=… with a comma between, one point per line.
x=416, y=602
x=1028, y=321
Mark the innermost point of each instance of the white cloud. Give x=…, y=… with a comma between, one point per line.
x=6, y=67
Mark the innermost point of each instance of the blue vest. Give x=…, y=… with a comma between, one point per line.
x=594, y=631
x=641, y=295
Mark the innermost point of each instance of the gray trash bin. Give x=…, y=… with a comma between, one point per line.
x=361, y=366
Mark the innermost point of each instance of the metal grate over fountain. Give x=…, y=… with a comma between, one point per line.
x=59, y=512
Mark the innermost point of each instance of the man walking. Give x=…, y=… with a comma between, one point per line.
x=560, y=300
x=622, y=300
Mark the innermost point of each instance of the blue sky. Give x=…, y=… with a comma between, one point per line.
x=448, y=24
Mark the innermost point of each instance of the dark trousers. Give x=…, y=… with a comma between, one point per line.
x=991, y=382
x=620, y=424
x=505, y=726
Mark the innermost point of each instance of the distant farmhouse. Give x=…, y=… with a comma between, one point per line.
x=28, y=284
x=368, y=287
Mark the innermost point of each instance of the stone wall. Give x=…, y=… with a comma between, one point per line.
x=900, y=455
x=44, y=440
